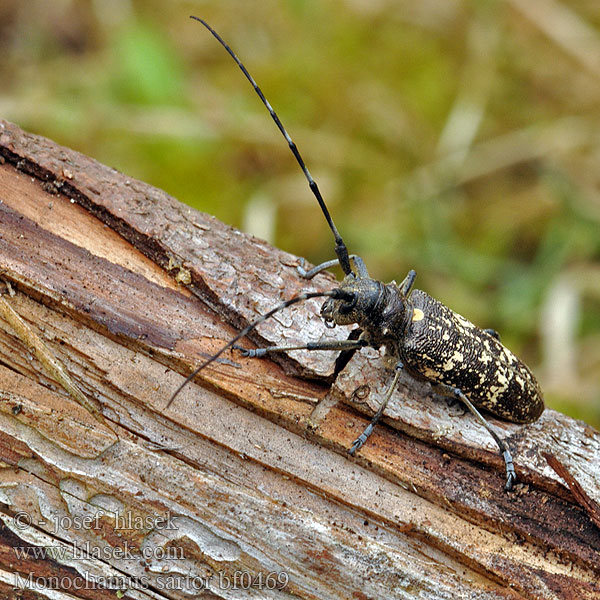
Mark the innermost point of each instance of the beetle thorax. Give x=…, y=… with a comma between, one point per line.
x=379, y=309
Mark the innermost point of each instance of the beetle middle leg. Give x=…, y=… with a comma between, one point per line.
x=362, y=438
x=408, y=282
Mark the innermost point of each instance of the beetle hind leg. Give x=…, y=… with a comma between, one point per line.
x=493, y=333
x=511, y=476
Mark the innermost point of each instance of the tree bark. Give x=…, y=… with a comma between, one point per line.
x=113, y=292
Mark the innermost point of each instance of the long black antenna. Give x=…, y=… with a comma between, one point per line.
x=340, y=247
x=336, y=293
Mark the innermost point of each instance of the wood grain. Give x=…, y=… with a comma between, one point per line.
x=248, y=471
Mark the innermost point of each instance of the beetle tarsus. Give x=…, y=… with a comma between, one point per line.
x=250, y=352
x=511, y=475
x=361, y=439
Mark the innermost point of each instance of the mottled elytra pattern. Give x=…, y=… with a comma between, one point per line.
x=444, y=347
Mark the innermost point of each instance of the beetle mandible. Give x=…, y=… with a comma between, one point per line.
x=418, y=333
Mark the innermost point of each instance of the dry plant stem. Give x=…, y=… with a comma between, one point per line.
x=49, y=361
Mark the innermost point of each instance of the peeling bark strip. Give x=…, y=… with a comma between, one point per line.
x=242, y=477
x=590, y=507
x=235, y=274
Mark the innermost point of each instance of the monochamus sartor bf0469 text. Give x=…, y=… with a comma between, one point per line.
x=418, y=333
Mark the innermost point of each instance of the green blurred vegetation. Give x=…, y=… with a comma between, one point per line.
x=459, y=138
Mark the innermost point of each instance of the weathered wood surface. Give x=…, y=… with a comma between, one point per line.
x=255, y=477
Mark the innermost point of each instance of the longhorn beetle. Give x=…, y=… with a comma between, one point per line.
x=419, y=334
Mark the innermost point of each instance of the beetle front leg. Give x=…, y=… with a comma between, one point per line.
x=344, y=357
x=359, y=266
x=339, y=345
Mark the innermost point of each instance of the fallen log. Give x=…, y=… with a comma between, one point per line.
x=245, y=480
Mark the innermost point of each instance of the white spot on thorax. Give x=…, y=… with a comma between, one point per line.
x=418, y=315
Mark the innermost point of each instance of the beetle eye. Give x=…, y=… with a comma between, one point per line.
x=347, y=306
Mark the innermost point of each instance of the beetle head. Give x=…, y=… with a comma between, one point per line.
x=362, y=296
